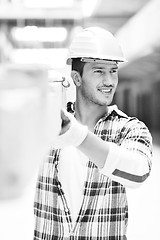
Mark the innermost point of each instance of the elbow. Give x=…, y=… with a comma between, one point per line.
x=129, y=179
x=139, y=181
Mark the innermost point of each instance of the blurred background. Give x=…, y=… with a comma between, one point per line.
x=39, y=31
x=33, y=31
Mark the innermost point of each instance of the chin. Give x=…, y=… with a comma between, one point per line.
x=103, y=103
x=107, y=102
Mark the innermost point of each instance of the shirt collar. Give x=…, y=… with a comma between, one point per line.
x=115, y=109
x=111, y=109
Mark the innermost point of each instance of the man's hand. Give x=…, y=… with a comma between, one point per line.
x=72, y=132
x=66, y=123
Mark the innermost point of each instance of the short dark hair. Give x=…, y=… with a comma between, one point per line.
x=78, y=65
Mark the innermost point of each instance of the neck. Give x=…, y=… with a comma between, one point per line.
x=89, y=114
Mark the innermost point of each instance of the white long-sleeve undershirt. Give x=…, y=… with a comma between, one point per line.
x=122, y=165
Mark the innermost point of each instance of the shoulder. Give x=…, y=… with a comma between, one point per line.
x=128, y=130
x=118, y=114
x=115, y=115
x=126, y=123
x=114, y=110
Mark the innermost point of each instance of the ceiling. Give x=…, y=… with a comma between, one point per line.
x=115, y=7
x=135, y=23
x=137, y=26
x=112, y=14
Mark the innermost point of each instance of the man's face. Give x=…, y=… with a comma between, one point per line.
x=99, y=82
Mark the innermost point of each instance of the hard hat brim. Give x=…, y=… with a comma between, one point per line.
x=120, y=60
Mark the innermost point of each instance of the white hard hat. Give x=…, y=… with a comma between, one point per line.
x=95, y=43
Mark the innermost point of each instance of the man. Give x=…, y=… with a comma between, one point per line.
x=99, y=152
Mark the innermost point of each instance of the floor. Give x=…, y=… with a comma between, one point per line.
x=16, y=217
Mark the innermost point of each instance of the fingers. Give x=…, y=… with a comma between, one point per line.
x=66, y=122
x=64, y=115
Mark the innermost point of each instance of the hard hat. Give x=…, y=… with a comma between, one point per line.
x=95, y=43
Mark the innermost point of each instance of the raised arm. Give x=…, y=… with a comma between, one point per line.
x=128, y=163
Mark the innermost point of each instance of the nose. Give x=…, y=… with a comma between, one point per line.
x=107, y=79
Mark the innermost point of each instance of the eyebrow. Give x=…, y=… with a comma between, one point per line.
x=116, y=67
x=100, y=67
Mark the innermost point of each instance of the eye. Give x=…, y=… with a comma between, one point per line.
x=114, y=71
x=98, y=71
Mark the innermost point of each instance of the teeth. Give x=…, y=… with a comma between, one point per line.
x=106, y=90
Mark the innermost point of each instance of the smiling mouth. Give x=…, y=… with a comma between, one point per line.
x=105, y=90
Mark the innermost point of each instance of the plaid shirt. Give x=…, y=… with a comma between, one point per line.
x=104, y=211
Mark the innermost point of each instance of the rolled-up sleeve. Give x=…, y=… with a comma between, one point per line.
x=129, y=162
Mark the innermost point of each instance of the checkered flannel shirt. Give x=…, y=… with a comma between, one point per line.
x=104, y=211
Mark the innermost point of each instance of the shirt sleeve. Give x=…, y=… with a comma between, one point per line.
x=129, y=162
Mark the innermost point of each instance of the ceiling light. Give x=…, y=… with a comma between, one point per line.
x=39, y=34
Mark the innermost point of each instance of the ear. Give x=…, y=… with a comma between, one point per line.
x=76, y=78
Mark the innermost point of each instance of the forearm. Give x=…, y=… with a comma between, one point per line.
x=130, y=168
x=95, y=149
x=127, y=167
